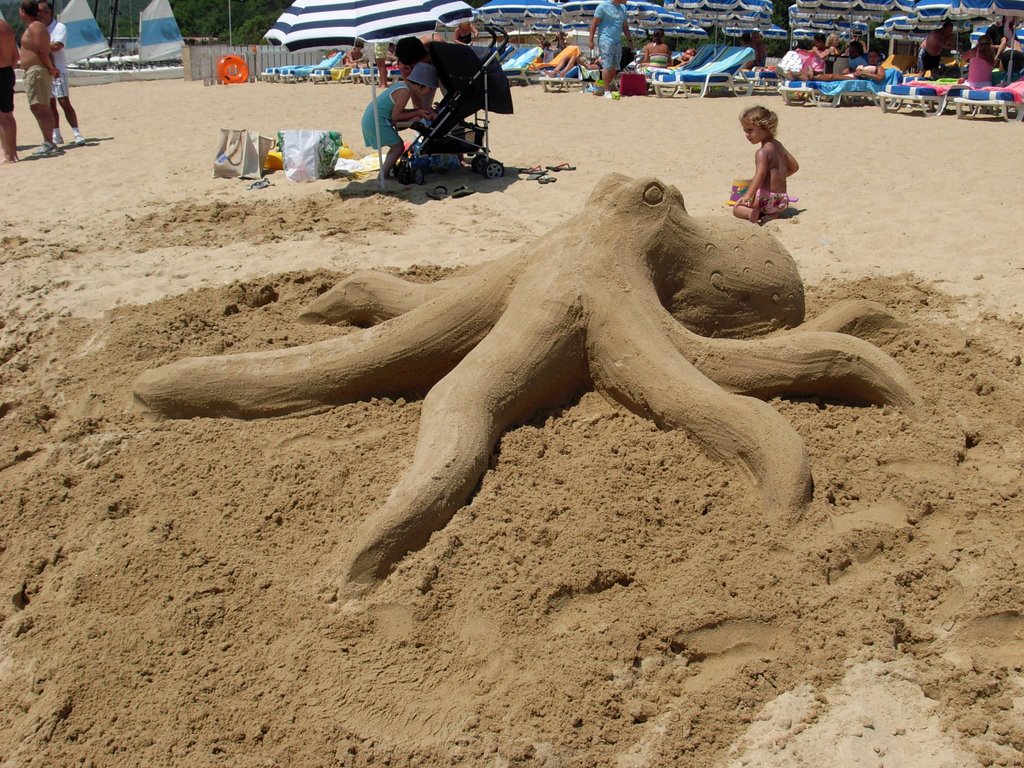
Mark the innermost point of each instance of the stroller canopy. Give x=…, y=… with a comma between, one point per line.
x=461, y=71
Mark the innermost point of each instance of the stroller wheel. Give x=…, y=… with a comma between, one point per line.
x=404, y=174
x=417, y=176
x=493, y=169
x=478, y=164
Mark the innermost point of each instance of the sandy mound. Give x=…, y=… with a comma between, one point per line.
x=611, y=596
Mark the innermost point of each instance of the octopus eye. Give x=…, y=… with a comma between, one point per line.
x=654, y=194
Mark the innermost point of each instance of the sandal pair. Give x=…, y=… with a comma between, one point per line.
x=440, y=192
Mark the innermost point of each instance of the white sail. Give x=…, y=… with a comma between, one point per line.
x=85, y=38
x=159, y=36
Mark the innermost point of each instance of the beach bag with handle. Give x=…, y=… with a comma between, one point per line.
x=241, y=154
x=309, y=155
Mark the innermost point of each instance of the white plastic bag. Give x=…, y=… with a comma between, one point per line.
x=309, y=155
x=792, y=62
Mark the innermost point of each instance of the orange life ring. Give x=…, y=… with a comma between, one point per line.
x=232, y=69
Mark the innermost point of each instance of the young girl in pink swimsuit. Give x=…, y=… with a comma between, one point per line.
x=981, y=61
x=766, y=197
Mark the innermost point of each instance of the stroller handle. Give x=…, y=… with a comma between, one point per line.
x=494, y=32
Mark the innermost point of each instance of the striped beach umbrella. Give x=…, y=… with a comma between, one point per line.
x=497, y=10
x=1008, y=8
x=771, y=32
x=935, y=12
x=636, y=10
x=330, y=23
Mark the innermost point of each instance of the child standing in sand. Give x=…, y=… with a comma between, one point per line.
x=766, y=197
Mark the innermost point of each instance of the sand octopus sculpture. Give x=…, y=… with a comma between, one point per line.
x=679, y=319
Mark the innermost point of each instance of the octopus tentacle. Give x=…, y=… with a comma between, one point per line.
x=634, y=362
x=855, y=317
x=531, y=359
x=406, y=355
x=797, y=363
x=368, y=298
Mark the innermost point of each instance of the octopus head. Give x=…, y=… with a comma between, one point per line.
x=718, y=275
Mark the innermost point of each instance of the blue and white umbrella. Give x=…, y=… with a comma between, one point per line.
x=771, y=32
x=636, y=10
x=330, y=23
x=844, y=29
x=520, y=10
x=935, y=12
x=899, y=28
x=1008, y=8
x=979, y=31
x=721, y=9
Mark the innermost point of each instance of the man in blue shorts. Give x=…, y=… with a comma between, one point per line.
x=610, y=26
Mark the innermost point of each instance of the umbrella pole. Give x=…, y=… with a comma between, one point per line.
x=376, y=127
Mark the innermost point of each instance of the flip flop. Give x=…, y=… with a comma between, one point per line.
x=534, y=169
x=463, y=192
x=537, y=176
x=561, y=167
x=261, y=184
x=440, y=192
x=547, y=180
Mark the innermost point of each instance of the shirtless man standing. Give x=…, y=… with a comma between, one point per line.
x=39, y=72
x=929, y=56
x=8, y=128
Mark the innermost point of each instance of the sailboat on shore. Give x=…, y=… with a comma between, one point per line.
x=159, y=48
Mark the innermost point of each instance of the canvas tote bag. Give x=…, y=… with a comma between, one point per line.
x=241, y=154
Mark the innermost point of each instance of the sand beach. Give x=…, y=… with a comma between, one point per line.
x=612, y=595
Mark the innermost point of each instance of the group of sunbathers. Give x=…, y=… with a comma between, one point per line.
x=820, y=59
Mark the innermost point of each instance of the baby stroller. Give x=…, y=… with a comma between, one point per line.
x=473, y=82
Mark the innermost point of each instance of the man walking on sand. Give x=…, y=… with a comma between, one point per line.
x=61, y=85
x=39, y=72
x=610, y=26
x=8, y=128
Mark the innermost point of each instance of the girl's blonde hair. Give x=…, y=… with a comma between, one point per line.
x=761, y=117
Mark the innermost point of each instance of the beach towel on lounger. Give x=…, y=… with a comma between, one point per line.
x=838, y=87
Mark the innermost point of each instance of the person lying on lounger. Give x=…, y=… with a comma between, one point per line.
x=579, y=60
x=873, y=70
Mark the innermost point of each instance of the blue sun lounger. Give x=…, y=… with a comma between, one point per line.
x=517, y=68
x=720, y=73
x=833, y=93
x=1000, y=102
x=931, y=98
x=295, y=74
